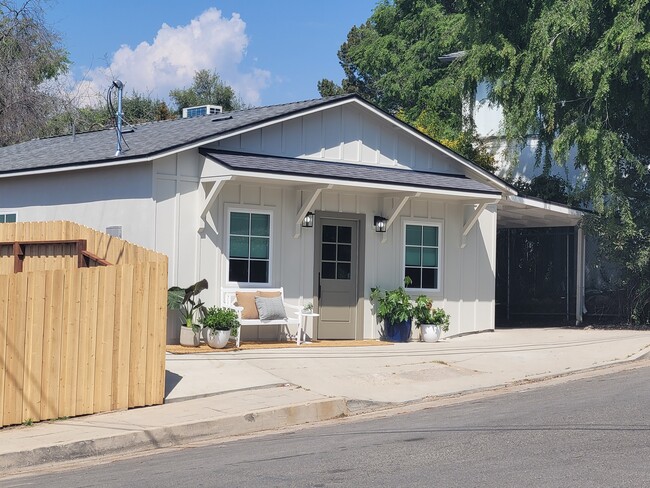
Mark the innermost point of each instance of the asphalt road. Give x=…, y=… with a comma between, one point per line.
x=585, y=433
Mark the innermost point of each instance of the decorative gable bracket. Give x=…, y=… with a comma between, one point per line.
x=215, y=186
x=471, y=221
x=313, y=194
x=394, y=212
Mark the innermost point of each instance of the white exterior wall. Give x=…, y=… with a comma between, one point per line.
x=97, y=198
x=467, y=274
x=346, y=133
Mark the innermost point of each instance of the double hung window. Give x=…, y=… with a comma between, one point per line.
x=249, y=246
x=422, y=255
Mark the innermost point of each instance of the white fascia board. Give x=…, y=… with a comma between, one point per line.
x=77, y=167
x=553, y=207
x=383, y=187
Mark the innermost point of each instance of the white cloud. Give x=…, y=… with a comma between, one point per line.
x=209, y=41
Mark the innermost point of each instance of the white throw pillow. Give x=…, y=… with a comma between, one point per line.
x=270, y=308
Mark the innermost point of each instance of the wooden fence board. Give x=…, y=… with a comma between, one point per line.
x=52, y=344
x=4, y=320
x=138, y=353
x=122, y=337
x=150, y=340
x=69, y=345
x=104, y=356
x=13, y=404
x=36, y=293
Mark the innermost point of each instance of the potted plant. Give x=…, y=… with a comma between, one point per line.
x=221, y=323
x=396, y=310
x=431, y=321
x=307, y=308
x=191, y=309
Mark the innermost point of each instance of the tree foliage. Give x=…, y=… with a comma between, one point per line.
x=574, y=74
x=29, y=55
x=136, y=107
x=207, y=89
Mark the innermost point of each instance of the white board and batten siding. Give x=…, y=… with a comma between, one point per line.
x=344, y=133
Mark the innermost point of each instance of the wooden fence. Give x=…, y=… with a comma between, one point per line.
x=74, y=340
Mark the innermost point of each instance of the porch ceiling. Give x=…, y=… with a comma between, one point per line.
x=294, y=171
x=517, y=212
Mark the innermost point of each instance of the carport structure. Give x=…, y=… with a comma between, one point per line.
x=540, y=261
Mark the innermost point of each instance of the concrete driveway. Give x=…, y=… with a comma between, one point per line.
x=409, y=371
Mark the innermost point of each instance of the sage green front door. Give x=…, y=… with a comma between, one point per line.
x=337, y=259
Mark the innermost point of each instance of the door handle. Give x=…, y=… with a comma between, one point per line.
x=319, y=287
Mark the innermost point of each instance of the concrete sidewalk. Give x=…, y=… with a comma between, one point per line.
x=232, y=393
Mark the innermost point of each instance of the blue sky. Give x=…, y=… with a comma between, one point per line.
x=269, y=51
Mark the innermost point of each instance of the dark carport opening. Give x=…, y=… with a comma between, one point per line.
x=536, y=277
x=540, y=264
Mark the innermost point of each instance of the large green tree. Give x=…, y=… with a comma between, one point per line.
x=207, y=89
x=30, y=54
x=575, y=74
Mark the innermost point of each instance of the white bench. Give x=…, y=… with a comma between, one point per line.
x=229, y=299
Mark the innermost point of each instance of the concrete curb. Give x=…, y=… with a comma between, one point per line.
x=174, y=435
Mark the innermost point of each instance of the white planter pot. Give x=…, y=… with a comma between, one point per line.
x=218, y=339
x=430, y=332
x=189, y=337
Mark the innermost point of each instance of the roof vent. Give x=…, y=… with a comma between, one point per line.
x=200, y=110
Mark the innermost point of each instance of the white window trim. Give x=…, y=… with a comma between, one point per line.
x=255, y=210
x=5, y=214
x=441, y=232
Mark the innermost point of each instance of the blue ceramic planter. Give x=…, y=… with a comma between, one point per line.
x=400, y=332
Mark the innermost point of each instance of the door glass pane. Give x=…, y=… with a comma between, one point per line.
x=430, y=236
x=329, y=233
x=345, y=234
x=238, y=270
x=345, y=252
x=260, y=225
x=413, y=256
x=259, y=247
x=413, y=235
x=429, y=256
x=328, y=271
x=238, y=247
x=259, y=272
x=329, y=252
x=239, y=223
x=343, y=271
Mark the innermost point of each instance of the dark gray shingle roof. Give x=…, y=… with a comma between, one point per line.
x=256, y=163
x=145, y=141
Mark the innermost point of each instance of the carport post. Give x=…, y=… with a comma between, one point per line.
x=580, y=274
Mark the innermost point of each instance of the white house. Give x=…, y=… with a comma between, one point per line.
x=225, y=196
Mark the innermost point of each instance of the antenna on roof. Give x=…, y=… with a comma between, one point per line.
x=118, y=116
